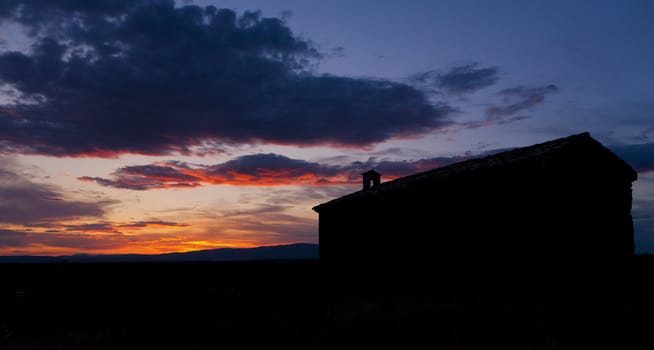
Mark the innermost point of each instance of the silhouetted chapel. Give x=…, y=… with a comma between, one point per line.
x=560, y=202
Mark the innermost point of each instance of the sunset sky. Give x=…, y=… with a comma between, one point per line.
x=152, y=126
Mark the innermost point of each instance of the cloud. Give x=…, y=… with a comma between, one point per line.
x=113, y=227
x=92, y=227
x=514, y=101
x=13, y=242
x=253, y=228
x=265, y=170
x=17, y=242
x=487, y=121
x=258, y=169
x=271, y=229
x=458, y=80
x=15, y=239
x=23, y=201
x=147, y=177
x=44, y=12
x=639, y=156
x=298, y=196
x=266, y=224
x=518, y=99
x=258, y=211
x=105, y=78
x=64, y=237
x=152, y=223
x=644, y=134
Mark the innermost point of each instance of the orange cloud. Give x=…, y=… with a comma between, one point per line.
x=256, y=170
x=105, y=227
x=139, y=225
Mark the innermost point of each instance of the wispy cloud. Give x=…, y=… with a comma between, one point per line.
x=458, y=80
x=114, y=227
x=518, y=99
x=644, y=135
x=515, y=104
x=22, y=242
x=260, y=227
x=23, y=201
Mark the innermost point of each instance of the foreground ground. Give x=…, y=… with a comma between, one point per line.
x=297, y=305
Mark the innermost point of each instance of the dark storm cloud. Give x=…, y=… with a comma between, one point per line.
x=105, y=78
x=37, y=11
x=458, y=80
x=23, y=201
x=267, y=170
x=639, y=156
x=519, y=99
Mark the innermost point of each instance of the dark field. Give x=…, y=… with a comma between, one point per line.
x=295, y=304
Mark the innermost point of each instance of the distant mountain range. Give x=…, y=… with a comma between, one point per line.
x=297, y=251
